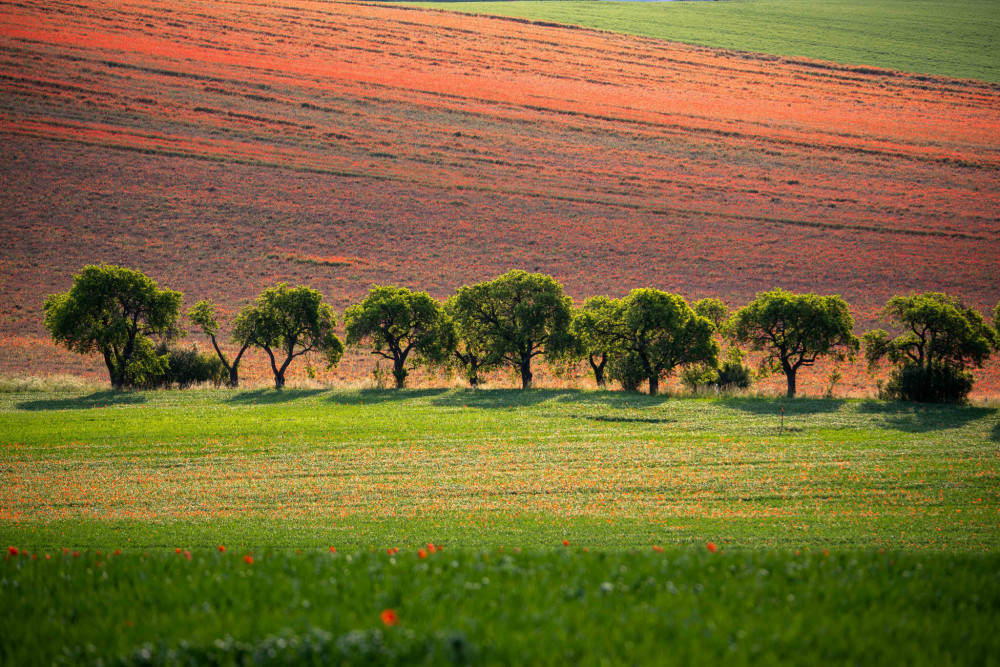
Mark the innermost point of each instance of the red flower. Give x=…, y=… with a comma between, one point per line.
x=431, y=547
x=657, y=548
x=248, y=559
x=222, y=549
x=711, y=547
x=177, y=550
x=12, y=551
x=422, y=553
x=76, y=554
x=333, y=550
x=565, y=543
x=389, y=617
x=187, y=554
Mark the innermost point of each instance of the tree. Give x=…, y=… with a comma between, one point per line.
x=519, y=316
x=114, y=310
x=794, y=330
x=397, y=322
x=203, y=314
x=715, y=311
x=941, y=338
x=594, y=328
x=290, y=321
x=470, y=343
x=663, y=332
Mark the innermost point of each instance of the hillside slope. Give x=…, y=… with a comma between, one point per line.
x=224, y=147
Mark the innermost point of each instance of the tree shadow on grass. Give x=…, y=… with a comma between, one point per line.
x=996, y=432
x=271, y=396
x=99, y=399
x=376, y=396
x=921, y=417
x=501, y=399
x=793, y=406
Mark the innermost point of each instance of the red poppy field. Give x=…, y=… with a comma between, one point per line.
x=222, y=148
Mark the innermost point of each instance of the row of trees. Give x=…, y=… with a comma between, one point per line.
x=520, y=317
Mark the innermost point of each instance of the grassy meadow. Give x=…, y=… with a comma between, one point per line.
x=955, y=38
x=479, y=469
x=579, y=526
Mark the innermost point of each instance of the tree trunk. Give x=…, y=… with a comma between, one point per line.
x=279, y=379
x=654, y=384
x=399, y=372
x=599, y=370
x=790, y=376
x=234, y=375
x=526, y=373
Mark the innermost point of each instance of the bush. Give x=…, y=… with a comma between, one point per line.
x=185, y=367
x=698, y=375
x=734, y=374
x=627, y=370
x=937, y=383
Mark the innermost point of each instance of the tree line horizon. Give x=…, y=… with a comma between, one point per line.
x=515, y=318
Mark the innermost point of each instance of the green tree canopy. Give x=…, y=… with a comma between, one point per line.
x=471, y=347
x=203, y=314
x=939, y=339
x=662, y=332
x=289, y=321
x=114, y=311
x=713, y=310
x=520, y=316
x=794, y=330
x=594, y=326
x=400, y=325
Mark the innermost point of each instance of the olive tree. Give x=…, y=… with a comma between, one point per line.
x=287, y=322
x=660, y=331
x=520, y=316
x=939, y=340
x=398, y=323
x=204, y=315
x=794, y=330
x=114, y=310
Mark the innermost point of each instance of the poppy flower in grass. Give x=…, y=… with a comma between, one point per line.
x=431, y=548
x=248, y=559
x=389, y=617
x=222, y=549
x=657, y=548
x=422, y=553
x=711, y=547
x=12, y=551
x=565, y=543
x=187, y=554
x=333, y=550
x=177, y=550
x=76, y=554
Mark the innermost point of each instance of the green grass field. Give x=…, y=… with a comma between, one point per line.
x=954, y=38
x=569, y=607
x=574, y=527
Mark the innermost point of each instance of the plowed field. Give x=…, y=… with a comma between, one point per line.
x=221, y=148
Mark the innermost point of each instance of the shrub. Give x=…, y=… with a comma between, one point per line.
x=185, y=367
x=627, y=370
x=938, y=383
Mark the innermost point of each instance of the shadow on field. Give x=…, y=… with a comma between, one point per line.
x=996, y=432
x=99, y=399
x=793, y=406
x=920, y=418
x=519, y=398
x=270, y=396
x=376, y=396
